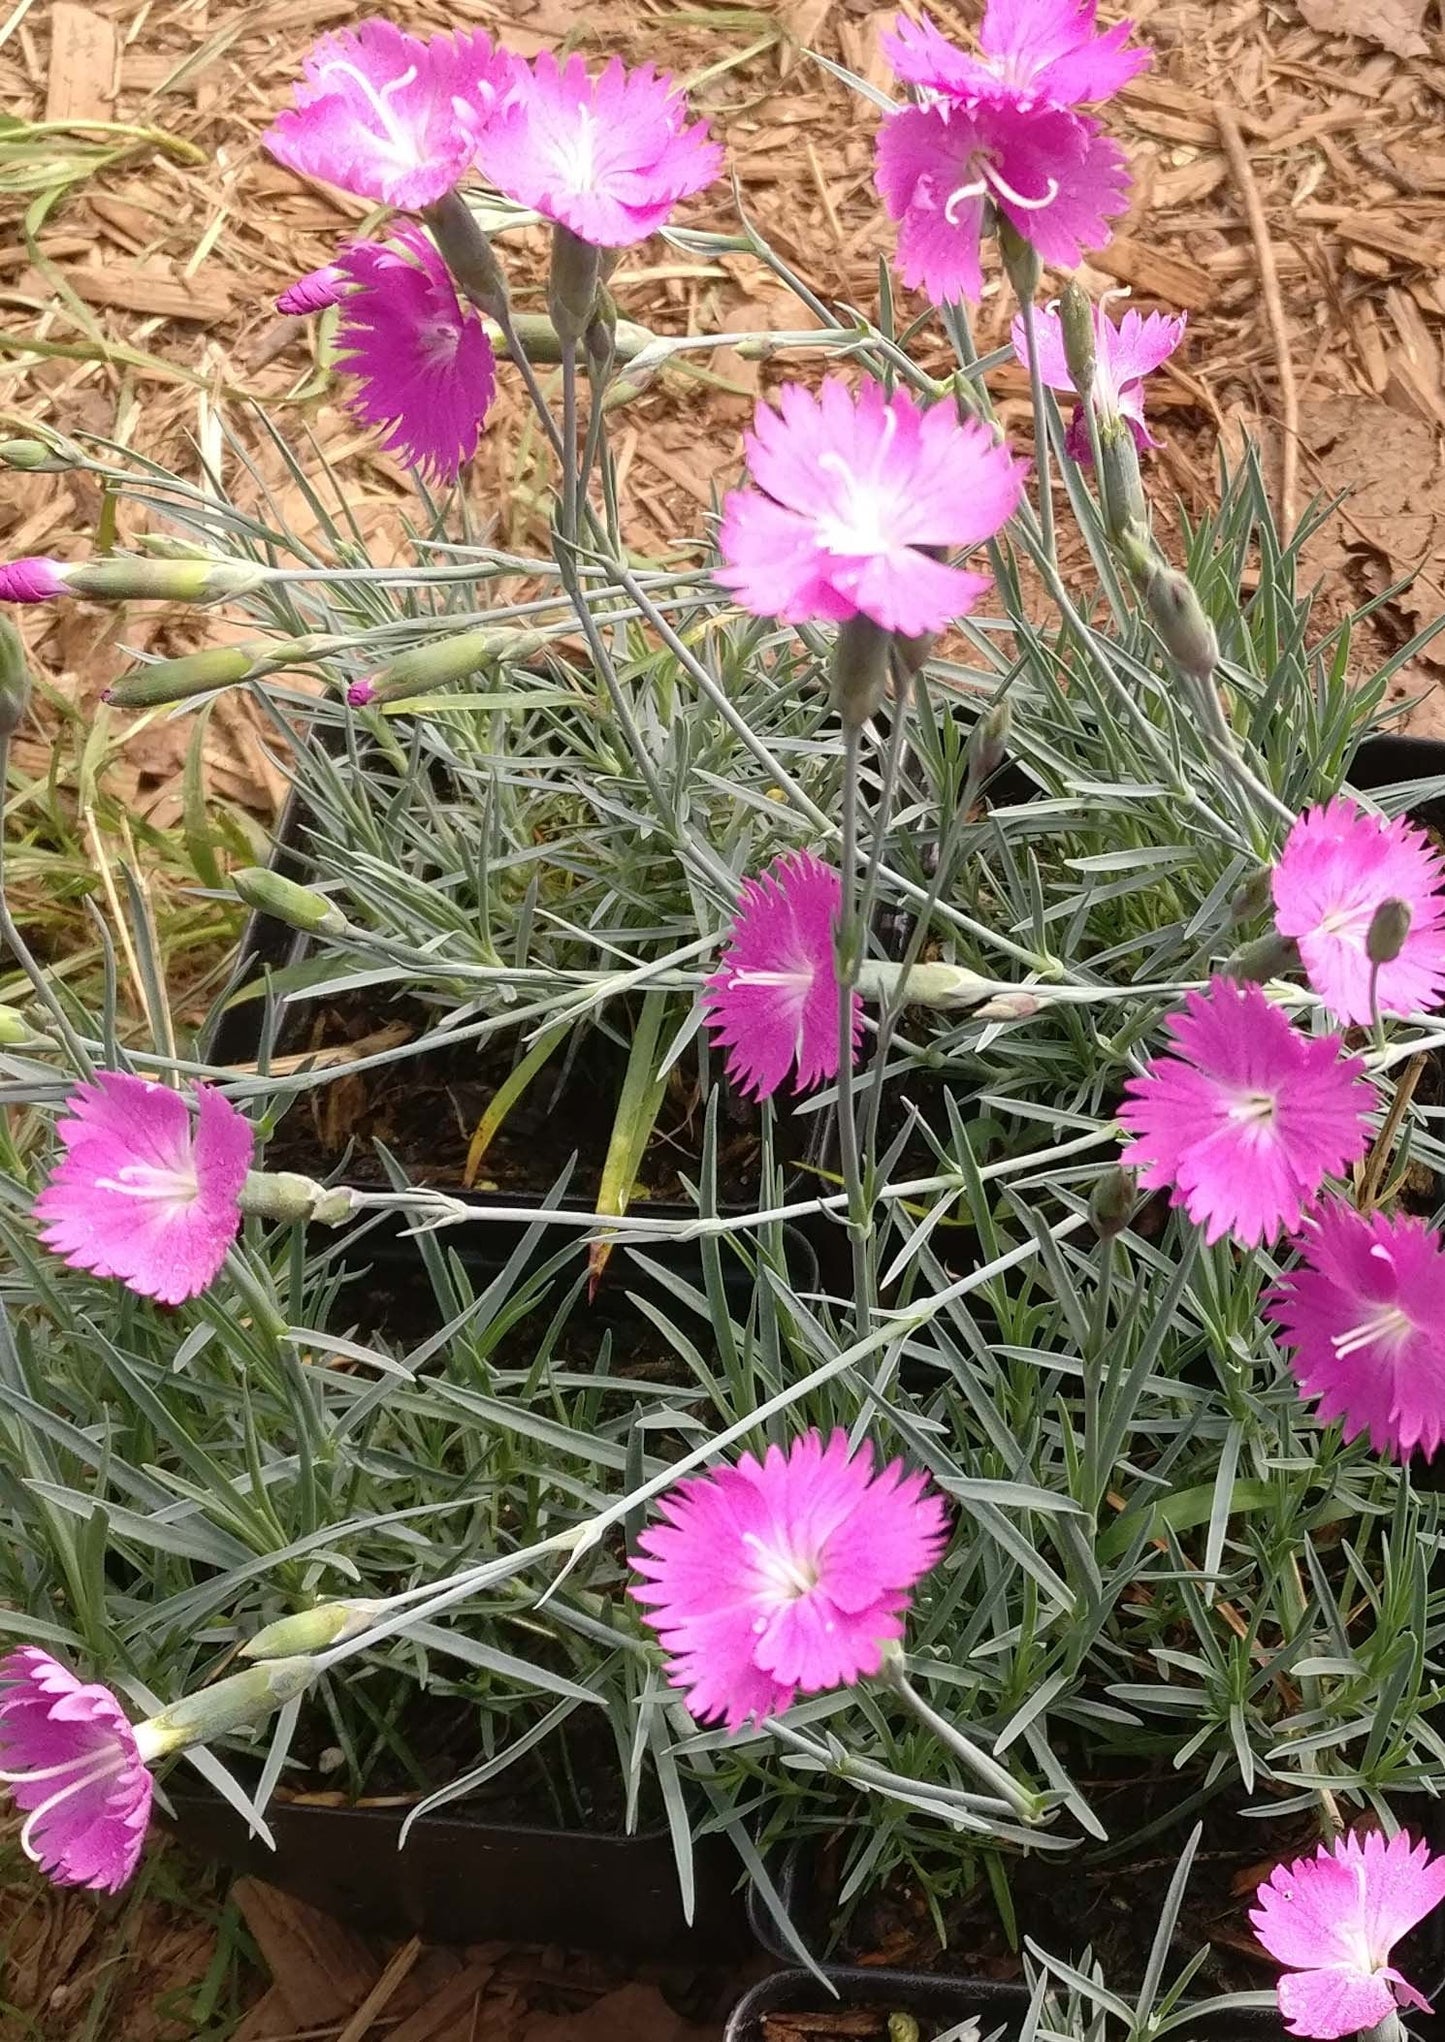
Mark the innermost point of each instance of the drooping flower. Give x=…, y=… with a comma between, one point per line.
x=73, y=1761
x=608, y=157
x=1335, y=1919
x=33, y=579
x=141, y=1193
x=785, y=1576
x=1055, y=178
x=424, y=368
x=390, y=117
x=773, y=1000
x=1032, y=52
x=850, y=490
x=1364, y=1316
x=1338, y=866
x=1124, y=353
x=1246, y=1116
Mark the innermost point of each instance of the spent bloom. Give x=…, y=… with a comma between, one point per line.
x=1031, y=52
x=608, y=157
x=786, y=1575
x=850, y=490
x=142, y=1193
x=773, y=1000
x=390, y=117
x=1335, y=1918
x=1125, y=352
x=1364, y=1319
x=73, y=1762
x=1245, y=1116
x=1339, y=865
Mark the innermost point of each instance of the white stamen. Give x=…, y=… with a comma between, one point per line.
x=49, y=1772
x=114, y=1764
x=376, y=99
x=961, y=196
x=1389, y=1325
x=788, y=1572
x=1016, y=198
x=144, y=1180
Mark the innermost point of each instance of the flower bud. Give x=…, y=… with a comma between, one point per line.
x=1125, y=504
x=33, y=457
x=1076, y=321
x=1389, y=927
x=14, y=680
x=1268, y=956
x=1252, y=897
x=572, y=284
x=1112, y=1202
x=176, y=680
x=299, y=907
x=283, y=1195
x=15, y=1030
x=1019, y=1006
x=601, y=337
x=988, y=742
x=1176, y=614
x=440, y=661
x=1020, y=260
x=468, y=254
x=126, y=577
x=311, y=1630
x=859, y=674
x=923, y=985
x=244, y=1698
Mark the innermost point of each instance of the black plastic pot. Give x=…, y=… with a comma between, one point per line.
x=460, y=1881
x=1386, y=761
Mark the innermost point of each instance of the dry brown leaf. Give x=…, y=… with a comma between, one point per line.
x=1393, y=24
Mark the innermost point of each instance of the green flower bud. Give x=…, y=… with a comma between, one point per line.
x=924, y=985
x=1252, y=897
x=15, y=1030
x=601, y=336
x=299, y=907
x=468, y=254
x=1177, y=615
x=311, y=1630
x=1389, y=927
x=1020, y=260
x=283, y=1195
x=124, y=577
x=244, y=1698
x=1076, y=321
x=859, y=674
x=176, y=680
x=1125, y=505
x=988, y=742
x=33, y=457
x=572, y=284
x=440, y=661
x=1268, y=956
x=14, y=680
x=1112, y=1202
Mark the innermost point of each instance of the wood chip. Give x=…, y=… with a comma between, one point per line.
x=1393, y=24
x=1157, y=273
x=81, y=83
x=155, y=292
x=456, y=1997
x=323, y=1970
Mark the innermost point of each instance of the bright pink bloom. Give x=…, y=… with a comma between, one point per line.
x=390, y=117
x=424, y=368
x=1337, y=867
x=1335, y=1918
x=140, y=1193
x=609, y=157
x=849, y=491
x=315, y=291
x=72, y=1761
x=32, y=580
x=1247, y=1116
x=1052, y=175
x=1123, y=356
x=773, y=1001
x=1033, y=52
x=784, y=1576
x=1365, y=1316
x=361, y=693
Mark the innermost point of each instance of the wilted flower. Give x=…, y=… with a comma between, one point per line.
x=608, y=157
x=1124, y=353
x=1247, y=1116
x=141, y=1194
x=1031, y=52
x=773, y=1001
x=1365, y=1317
x=73, y=1761
x=1335, y=1918
x=390, y=117
x=787, y=1575
x=850, y=490
x=1338, y=867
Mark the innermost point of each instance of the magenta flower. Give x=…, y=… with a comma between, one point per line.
x=1365, y=1317
x=1123, y=355
x=140, y=1193
x=73, y=1762
x=1337, y=867
x=1247, y=1116
x=1052, y=175
x=314, y=292
x=773, y=1001
x=390, y=117
x=31, y=580
x=785, y=1576
x=608, y=157
x=850, y=490
x=1335, y=1918
x=1032, y=52
x=424, y=368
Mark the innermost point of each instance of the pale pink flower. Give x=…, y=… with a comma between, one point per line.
x=850, y=490
x=1031, y=52
x=785, y=1576
x=1050, y=173
x=70, y=1756
x=1337, y=867
x=1246, y=1116
x=390, y=117
x=1364, y=1314
x=1335, y=1918
x=608, y=157
x=141, y=1193
x=773, y=1000
x=424, y=367
x=1124, y=353
x=33, y=579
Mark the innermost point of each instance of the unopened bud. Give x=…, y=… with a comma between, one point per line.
x=1268, y=956
x=176, y=680
x=1019, y=1006
x=283, y=1195
x=1112, y=1202
x=33, y=457
x=126, y=577
x=312, y=1630
x=601, y=336
x=572, y=284
x=468, y=254
x=1125, y=505
x=988, y=743
x=1389, y=927
x=14, y=1028
x=859, y=673
x=1020, y=260
x=921, y=985
x=300, y=907
x=1177, y=615
x=1252, y=897
x=440, y=661
x=244, y=1698
x=1076, y=322
x=14, y=680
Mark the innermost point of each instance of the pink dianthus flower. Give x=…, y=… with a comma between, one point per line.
x=1335, y=1919
x=1338, y=866
x=607, y=157
x=1124, y=353
x=773, y=1000
x=786, y=1575
x=73, y=1762
x=1032, y=52
x=1246, y=1116
x=850, y=490
x=141, y=1193
x=1364, y=1316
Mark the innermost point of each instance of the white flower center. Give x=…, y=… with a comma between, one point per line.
x=395, y=130
x=578, y=160
x=1351, y=919
x=1388, y=1326
x=178, y=1186
x=988, y=181
x=1254, y=1107
x=787, y=1576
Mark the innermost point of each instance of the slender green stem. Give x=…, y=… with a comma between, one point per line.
x=851, y=937
x=518, y=355
x=1041, y=431
x=570, y=478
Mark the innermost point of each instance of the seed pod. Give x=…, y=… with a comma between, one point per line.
x=33, y=457
x=440, y=661
x=1252, y=897
x=196, y=673
x=285, y=1195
